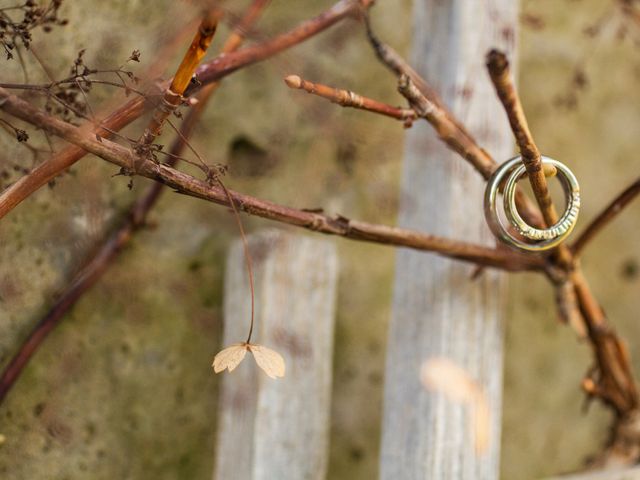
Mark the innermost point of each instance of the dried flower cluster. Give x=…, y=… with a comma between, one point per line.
x=33, y=16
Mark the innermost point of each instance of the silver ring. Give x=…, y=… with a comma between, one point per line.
x=539, y=239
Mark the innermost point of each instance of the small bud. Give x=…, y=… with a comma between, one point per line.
x=21, y=135
x=293, y=81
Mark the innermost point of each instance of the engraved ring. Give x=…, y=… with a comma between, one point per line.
x=537, y=239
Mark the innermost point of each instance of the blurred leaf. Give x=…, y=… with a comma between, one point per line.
x=444, y=376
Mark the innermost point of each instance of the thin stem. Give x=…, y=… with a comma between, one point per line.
x=347, y=98
x=500, y=73
x=247, y=256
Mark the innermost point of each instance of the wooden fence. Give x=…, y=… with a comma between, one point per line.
x=272, y=429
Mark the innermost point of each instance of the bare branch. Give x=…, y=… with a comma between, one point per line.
x=399, y=66
x=423, y=97
x=498, y=67
x=615, y=382
x=225, y=64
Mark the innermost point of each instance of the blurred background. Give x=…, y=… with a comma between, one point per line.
x=124, y=388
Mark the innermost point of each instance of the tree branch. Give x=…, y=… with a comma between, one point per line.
x=423, y=98
x=614, y=379
x=498, y=67
x=606, y=216
x=189, y=185
x=614, y=382
x=225, y=64
x=500, y=74
x=347, y=98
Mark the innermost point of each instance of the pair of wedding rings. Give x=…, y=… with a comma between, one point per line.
x=529, y=238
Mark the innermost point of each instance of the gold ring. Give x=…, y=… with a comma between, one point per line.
x=535, y=239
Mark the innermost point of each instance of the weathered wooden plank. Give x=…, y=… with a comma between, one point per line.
x=438, y=311
x=627, y=474
x=268, y=428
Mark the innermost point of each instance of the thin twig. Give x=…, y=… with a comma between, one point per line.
x=399, y=66
x=64, y=159
x=498, y=67
x=500, y=74
x=606, y=216
x=347, y=98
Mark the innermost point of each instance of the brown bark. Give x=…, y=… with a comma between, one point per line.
x=347, y=98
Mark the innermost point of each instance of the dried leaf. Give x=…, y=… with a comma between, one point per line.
x=444, y=376
x=268, y=360
x=229, y=358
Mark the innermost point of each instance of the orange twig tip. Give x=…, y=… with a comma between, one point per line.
x=293, y=81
